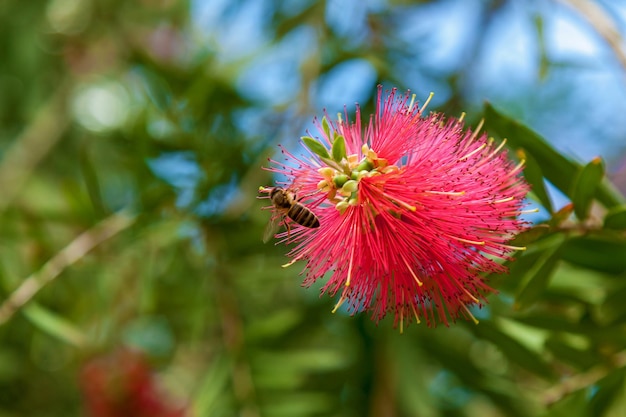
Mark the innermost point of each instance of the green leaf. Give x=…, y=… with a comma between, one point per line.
x=513, y=349
x=326, y=128
x=339, y=148
x=563, y=214
x=156, y=87
x=597, y=253
x=315, y=147
x=609, y=395
x=585, y=186
x=566, y=352
x=556, y=323
x=616, y=218
x=537, y=278
x=534, y=176
x=530, y=235
x=613, y=309
x=53, y=324
x=563, y=403
x=558, y=169
x=213, y=389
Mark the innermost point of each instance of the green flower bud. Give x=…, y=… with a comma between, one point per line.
x=342, y=206
x=365, y=165
x=350, y=186
x=339, y=180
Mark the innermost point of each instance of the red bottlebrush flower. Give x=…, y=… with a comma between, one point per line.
x=122, y=385
x=411, y=212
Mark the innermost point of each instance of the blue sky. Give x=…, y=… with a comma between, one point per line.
x=579, y=105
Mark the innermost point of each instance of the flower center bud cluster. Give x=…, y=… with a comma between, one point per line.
x=341, y=180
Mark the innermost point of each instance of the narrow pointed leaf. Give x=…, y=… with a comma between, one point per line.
x=530, y=235
x=339, y=148
x=156, y=88
x=513, y=349
x=613, y=308
x=534, y=176
x=558, y=169
x=315, y=147
x=563, y=403
x=585, y=186
x=563, y=214
x=53, y=324
x=580, y=358
x=616, y=218
x=608, y=391
x=536, y=280
x=212, y=392
x=326, y=128
x=597, y=253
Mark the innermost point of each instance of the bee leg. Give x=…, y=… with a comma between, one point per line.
x=288, y=230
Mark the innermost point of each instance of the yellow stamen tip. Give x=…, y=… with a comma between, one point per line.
x=288, y=264
x=469, y=313
x=504, y=200
x=339, y=303
x=430, y=97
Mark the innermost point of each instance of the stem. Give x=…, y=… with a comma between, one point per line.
x=73, y=252
x=583, y=380
x=602, y=24
x=33, y=144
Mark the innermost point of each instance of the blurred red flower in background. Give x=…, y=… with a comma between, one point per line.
x=123, y=385
x=412, y=211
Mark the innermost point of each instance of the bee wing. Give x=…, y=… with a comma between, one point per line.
x=272, y=227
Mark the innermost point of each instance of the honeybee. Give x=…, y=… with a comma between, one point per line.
x=285, y=203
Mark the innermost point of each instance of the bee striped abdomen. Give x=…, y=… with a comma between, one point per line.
x=303, y=216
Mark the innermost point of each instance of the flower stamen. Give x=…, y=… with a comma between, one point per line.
x=342, y=299
x=475, y=151
x=479, y=126
x=417, y=280
x=453, y=193
x=469, y=313
x=474, y=299
x=400, y=202
x=494, y=152
x=511, y=247
x=430, y=97
x=293, y=261
x=471, y=242
x=518, y=212
x=417, y=318
x=350, y=267
x=517, y=168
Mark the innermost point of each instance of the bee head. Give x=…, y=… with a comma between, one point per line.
x=275, y=190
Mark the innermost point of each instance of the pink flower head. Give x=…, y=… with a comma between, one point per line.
x=411, y=212
x=122, y=384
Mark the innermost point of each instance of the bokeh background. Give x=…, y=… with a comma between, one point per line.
x=132, y=140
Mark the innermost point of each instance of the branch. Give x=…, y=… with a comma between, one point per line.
x=33, y=144
x=602, y=24
x=583, y=380
x=78, y=248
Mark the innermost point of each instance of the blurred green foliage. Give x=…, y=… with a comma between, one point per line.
x=129, y=169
